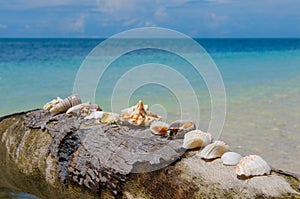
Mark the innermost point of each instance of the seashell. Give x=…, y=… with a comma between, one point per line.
x=252, y=165
x=83, y=109
x=214, y=150
x=95, y=115
x=52, y=103
x=179, y=128
x=65, y=104
x=231, y=158
x=159, y=128
x=195, y=139
x=110, y=118
x=139, y=115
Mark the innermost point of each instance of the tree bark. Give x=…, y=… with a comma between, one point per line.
x=68, y=157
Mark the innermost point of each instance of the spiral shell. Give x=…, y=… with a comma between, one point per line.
x=65, y=104
x=52, y=103
x=252, y=165
x=214, y=150
x=195, y=139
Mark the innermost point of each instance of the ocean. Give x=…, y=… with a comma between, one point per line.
x=261, y=79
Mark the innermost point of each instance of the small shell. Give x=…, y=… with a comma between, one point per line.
x=179, y=128
x=214, y=150
x=159, y=128
x=83, y=109
x=231, y=158
x=65, y=104
x=195, y=139
x=95, y=115
x=109, y=118
x=52, y=103
x=252, y=165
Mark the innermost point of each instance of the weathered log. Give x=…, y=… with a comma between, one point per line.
x=67, y=157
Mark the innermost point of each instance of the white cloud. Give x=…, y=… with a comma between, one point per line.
x=214, y=21
x=113, y=6
x=161, y=12
x=2, y=26
x=130, y=22
x=77, y=25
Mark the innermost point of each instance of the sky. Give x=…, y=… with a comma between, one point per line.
x=195, y=18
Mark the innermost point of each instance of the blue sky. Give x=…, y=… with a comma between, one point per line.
x=195, y=18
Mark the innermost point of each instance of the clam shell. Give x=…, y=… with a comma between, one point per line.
x=252, y=165
x=195, y=139
x=179, y=128
x=65, y=104
x=214, y=150
x=159, y=128
x=231, y=158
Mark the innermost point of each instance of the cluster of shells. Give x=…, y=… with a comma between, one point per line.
x=140, y=115
x=248, y=166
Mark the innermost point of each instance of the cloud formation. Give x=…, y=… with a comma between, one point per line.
x=103, y=18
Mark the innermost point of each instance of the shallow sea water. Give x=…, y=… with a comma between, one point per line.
x=261, y=78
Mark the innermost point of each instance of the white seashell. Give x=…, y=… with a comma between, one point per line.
x=231, y=158
x=83, y=109
x=159, y=128
x=109, y=118
x=252, y=165
x=195, y=139
x=52, y=103
x=95, y=115
x=139, y=115
x=214, y=150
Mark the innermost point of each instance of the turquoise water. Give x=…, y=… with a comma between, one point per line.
x=261, y=78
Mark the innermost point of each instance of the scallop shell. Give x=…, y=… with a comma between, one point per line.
x=214, y=150
x=179, y=128
x=139, y=115
x=65, y=104
x=252, y=165
x=52, y=103
x=231, y=158
x=195, y=139
x=83, y=109
x=159, y=128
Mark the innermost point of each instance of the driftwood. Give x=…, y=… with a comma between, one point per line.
x=68, y=157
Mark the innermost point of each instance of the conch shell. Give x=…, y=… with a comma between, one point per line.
x=139, y=115
x=52, y=103
x=83, y=109
x=65, y=104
